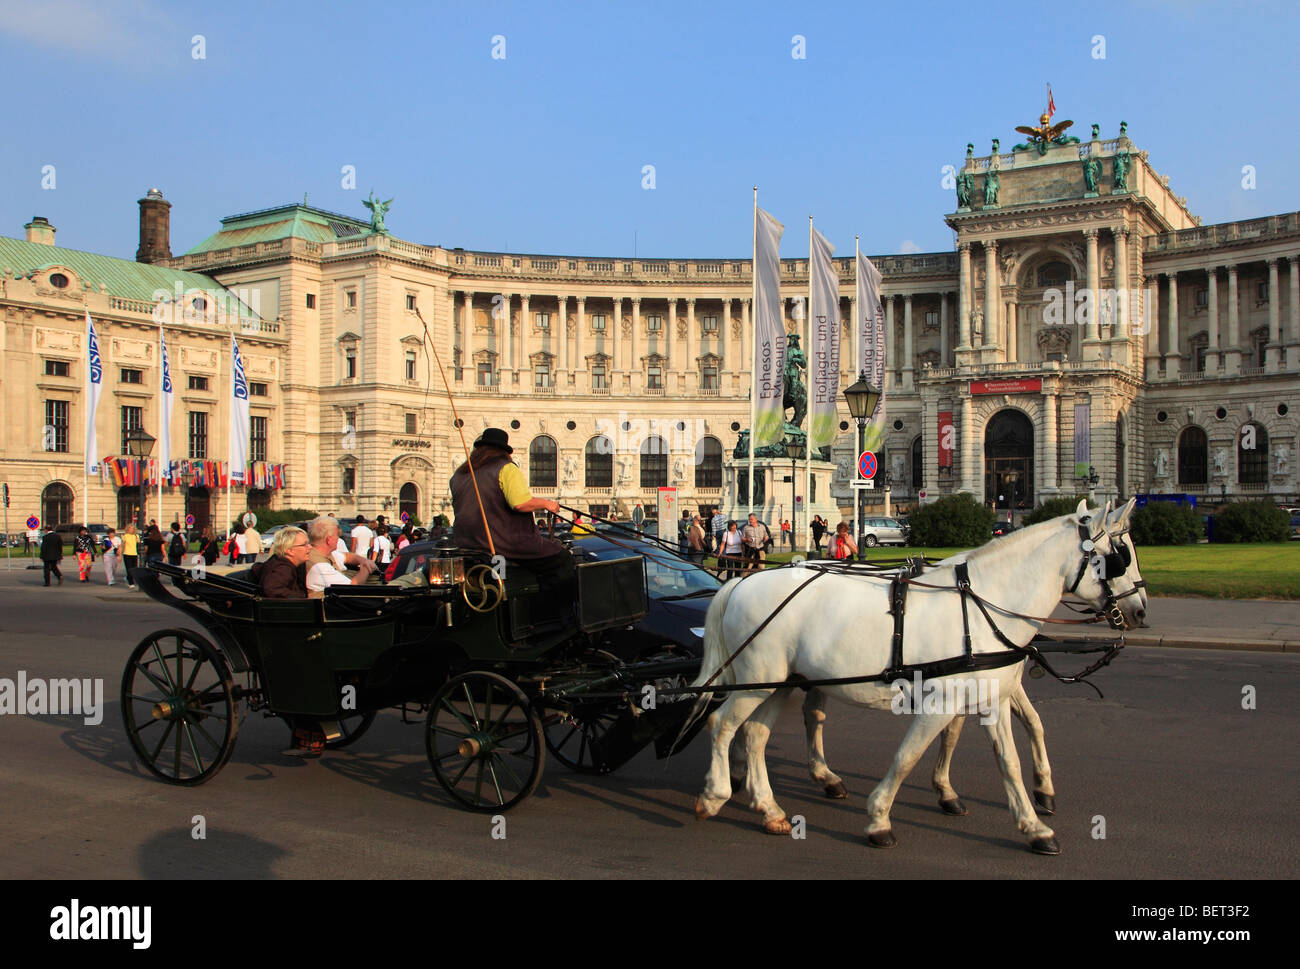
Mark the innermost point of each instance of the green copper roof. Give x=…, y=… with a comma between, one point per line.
x=122, y=278
x=285, y=221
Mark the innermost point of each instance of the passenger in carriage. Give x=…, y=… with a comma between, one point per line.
x=284, y=574
x=509, y=506
x=323, y=533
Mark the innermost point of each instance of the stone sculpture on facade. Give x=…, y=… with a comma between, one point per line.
x=1220, y=463
x=377, y=210
x=991, y=185
x=1281, y=459
x=1162, y=463
x=1121, y=164
x=570, y=469
x=1091, y=173
x=965, y=189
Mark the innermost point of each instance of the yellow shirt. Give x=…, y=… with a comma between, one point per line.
x=130, y=544
x=513, y=485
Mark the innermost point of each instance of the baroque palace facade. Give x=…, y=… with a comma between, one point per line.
x=616, y=376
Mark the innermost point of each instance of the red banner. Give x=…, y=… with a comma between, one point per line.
x=1023, y=385
x=947, y=435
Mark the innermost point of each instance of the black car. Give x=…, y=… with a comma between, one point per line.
x=1002, y=528
x=677, y=594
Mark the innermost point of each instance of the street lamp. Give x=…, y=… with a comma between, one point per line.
x=1091, y=479
x=139, y=444
x=792, y=451
x=862, y=399
x=1010, y=478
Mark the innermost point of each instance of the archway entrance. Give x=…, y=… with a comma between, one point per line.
x=1009, y=461
x=408, y=501
x=198, y=502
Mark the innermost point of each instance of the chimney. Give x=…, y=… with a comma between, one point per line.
x=155, y=228
x=40, y=230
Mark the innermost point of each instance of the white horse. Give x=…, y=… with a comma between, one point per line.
x=838, y=628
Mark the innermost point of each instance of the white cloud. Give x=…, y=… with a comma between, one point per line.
x=126, y=30
x=907, y=245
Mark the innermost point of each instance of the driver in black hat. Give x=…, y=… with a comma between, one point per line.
x=508, y=506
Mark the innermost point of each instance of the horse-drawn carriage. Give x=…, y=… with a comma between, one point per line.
x=498, y=675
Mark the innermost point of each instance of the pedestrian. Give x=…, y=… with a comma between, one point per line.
x=112, y=553
x=730, y=550
x=130, y=553
x=818, y=531
x=404, y=539
x=841, y=546
x=51, y=555
x=175, y=545
x=786, y=535
x=383, y=546
x=718, y=526
x=695, y=540
x=85, y=549
x=757, y=539
x=153, y=544
x=237, y=553
x=362, y=537
x=252, y=544
x=208, y=546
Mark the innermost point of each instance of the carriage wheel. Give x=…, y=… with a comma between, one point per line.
x=353, y=727
x=484, y=741
x=178, y=706
x=569, y=737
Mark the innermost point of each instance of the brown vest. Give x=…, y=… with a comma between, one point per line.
x=514, y=533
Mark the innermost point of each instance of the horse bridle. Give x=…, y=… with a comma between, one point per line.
x=1113, y=563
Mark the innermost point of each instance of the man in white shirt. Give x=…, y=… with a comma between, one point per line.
x=383, y=547
x=361, y=537
x=323, y=532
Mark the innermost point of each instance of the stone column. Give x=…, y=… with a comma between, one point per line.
x=613, y=334
x=525, y=335
x=909, y=358
x=1273, y=353
x=1293, y=346
x=1092, y=332
x=891, y=359
x=633, y=347
x=746, y=363
x=1013, y=333
x=467, y=335
x=560, y=344
x=1121, y=317
x=943, y=329
x=1173, y=353
x=724, y=341
x=1151, y=320
x=1232, y=339
x=579, y=330
x=692, y=344
x=992, y=294
x=670, y=334
x=1212, y=320
x=963, y=296
x=1050, y=445
x=968, y=453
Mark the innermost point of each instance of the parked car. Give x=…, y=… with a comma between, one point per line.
x=1003, y=528
x=1295, y=526
x=882, y=531
x=67, y=533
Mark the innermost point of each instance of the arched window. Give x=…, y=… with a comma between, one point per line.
x=408, y=500
x=1252, y=462
x=599, y=459
x=542, y=462
x=56, y=505
x=1193, y=456
x=918, y=463
x=654, y=463
x=708, y=463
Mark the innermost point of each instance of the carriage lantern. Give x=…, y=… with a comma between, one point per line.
x=446, y=572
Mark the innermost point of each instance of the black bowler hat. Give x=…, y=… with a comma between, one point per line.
x=495, y=437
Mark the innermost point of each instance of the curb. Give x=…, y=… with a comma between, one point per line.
x=1175, y=641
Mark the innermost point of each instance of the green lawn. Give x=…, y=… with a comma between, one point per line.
x=1262, y=571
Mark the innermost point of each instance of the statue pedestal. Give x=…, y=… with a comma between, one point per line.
x=777, y=498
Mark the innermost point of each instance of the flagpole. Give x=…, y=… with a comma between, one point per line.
x=90, y=416
x=753, y=373
x=230, y=431
x=162, y=408
x=857, y=339
x=808, y=382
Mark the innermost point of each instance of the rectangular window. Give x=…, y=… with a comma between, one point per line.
x=256, y=389
x=543, y=321
x=132, y=376
x=1202, y=298
x=541, y=374
x=654, y=324
x=132, y=417
x=710, y=324
x=410, y=424
x=349, y=480
x=709, y=377
x=198, y=434
x=1199, y=366
x=350, y=299
x=257, y=439
x=1262, y=291
x=410, y=301
x=198, y=383
x=350, y=364
x=931, y=319
x=598, y=322
x=56, y=368
x=654, y=377
x=599, y=378
x=56, y=423
x=410, y=364
x=485, y=375
x=311, y=301
x=349, y=421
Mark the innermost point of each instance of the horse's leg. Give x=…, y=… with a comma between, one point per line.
x=1044, y=793
x=814, y=717
x=948, y=799
x=723, y=723
x=1041, y=838
x=757, y=731
x=924, y=728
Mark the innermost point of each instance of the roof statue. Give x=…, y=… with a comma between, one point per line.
x=377, y=210
x=1046, y=134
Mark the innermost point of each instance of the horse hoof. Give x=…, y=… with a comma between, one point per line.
x=702, y=813
x=777, y=826
x=1044, y=846
x=1046, y=803
x=881, y=839
x=836, y=790
x=954, y=807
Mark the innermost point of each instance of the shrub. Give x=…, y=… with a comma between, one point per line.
x=1165, y=523
x=1053, y=508
x=954, y=520
x=1251, y=521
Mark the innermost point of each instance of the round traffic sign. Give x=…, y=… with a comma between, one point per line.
x=867, y=464
x=189, y=521
x=33, y=522
x=921, y=495
x=249, y=520
x=405, y=517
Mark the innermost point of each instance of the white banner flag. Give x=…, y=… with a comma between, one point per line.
x=871, y=346
x=824, y=343
x=168, y=404
x=94, y=384
x=769, y=333
x=238, y=416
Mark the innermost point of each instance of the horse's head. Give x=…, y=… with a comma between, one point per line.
x=1108, y=575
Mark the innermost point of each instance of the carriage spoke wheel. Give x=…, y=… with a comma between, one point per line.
x=570, y=737
x=352, y=727
x=178, y=706
x=484, y=741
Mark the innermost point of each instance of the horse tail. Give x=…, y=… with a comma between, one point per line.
x=715, y=654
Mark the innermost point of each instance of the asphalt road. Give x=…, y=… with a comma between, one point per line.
x=1189, y=784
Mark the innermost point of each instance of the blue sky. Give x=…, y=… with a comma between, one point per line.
x=543, y=150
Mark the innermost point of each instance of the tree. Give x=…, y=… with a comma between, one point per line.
x=1251, y=521
x=1165, y=523
x=954, y=520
